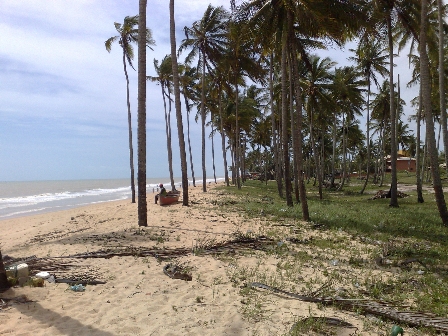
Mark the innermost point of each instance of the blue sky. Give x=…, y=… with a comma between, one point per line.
x=63, y=96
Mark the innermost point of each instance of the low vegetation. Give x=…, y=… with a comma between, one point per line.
x=357, y=248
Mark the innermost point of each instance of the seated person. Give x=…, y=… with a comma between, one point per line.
x=162, y=192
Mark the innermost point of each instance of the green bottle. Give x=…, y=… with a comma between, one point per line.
x=396, y=330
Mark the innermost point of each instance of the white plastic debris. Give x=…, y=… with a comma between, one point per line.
x=42, y=275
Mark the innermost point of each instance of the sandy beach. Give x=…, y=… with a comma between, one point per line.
x=138, y=298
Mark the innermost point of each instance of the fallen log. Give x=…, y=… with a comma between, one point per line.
x=379, y=308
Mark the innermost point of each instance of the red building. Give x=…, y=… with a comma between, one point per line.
x=403, y=162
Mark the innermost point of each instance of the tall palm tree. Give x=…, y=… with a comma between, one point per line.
x=206, y=38
x=141, y=118
x=348, y=89
x=390, y=14
x=188, y=76
x=426, y=102
x=221, y=85
x=317, y=85
x=128, y=34
x=180, y=129
x=371, y=58
x=442, y=102
x=164, y=78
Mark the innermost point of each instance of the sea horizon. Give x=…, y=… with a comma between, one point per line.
x=26, y=198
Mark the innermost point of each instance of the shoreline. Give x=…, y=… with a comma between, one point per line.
x=23, y=200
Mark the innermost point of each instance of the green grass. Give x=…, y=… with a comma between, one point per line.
x=413, y=230
x=350, y=211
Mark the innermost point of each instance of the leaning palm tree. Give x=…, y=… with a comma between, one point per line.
x=180, y=129
x=128, y=34
x=371, y=58
x=426, y=103
x=206, y=38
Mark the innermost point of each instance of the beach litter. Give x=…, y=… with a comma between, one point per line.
x=77, y=288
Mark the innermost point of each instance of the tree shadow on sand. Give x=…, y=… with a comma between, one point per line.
x=65, y=324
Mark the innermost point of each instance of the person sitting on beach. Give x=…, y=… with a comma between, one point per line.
x=162, y=192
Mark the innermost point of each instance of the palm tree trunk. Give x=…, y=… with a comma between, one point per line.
x=285, y=134
x=187, y=106
x=131, y=149
x=237, y=137
x=232, y=156
x=168, y=138
x=383, y=154
x=293, y=131
x=223, y=141
x=367, y=138
x=180, y=126
x=424, y=165
x=141, y=141
x=274, y=128
x=204, y=172
x=213, y=153
x=393, y=135
x=298, y=99
x=442, y=81
x=426, y=95
x=315, y=154
x=418, y=158
x=344, y=152
x=333, y=157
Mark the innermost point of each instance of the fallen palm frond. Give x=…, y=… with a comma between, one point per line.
x=386, y=194
x=379, y=308
x=65, y=269
x=240, y=243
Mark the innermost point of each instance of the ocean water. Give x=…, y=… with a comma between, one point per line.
x=18, y=199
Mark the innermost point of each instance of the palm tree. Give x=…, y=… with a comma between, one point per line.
x=206, y=38
x=317, y=85
x=371, y=58
x=164, y=78
x=180, y=129
x=392, y=13
x=220, y=84
x=442, y=94
x=187, y=82
x=128, y=34
x=348, y=92
x=141, y=117
x=426, y=102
